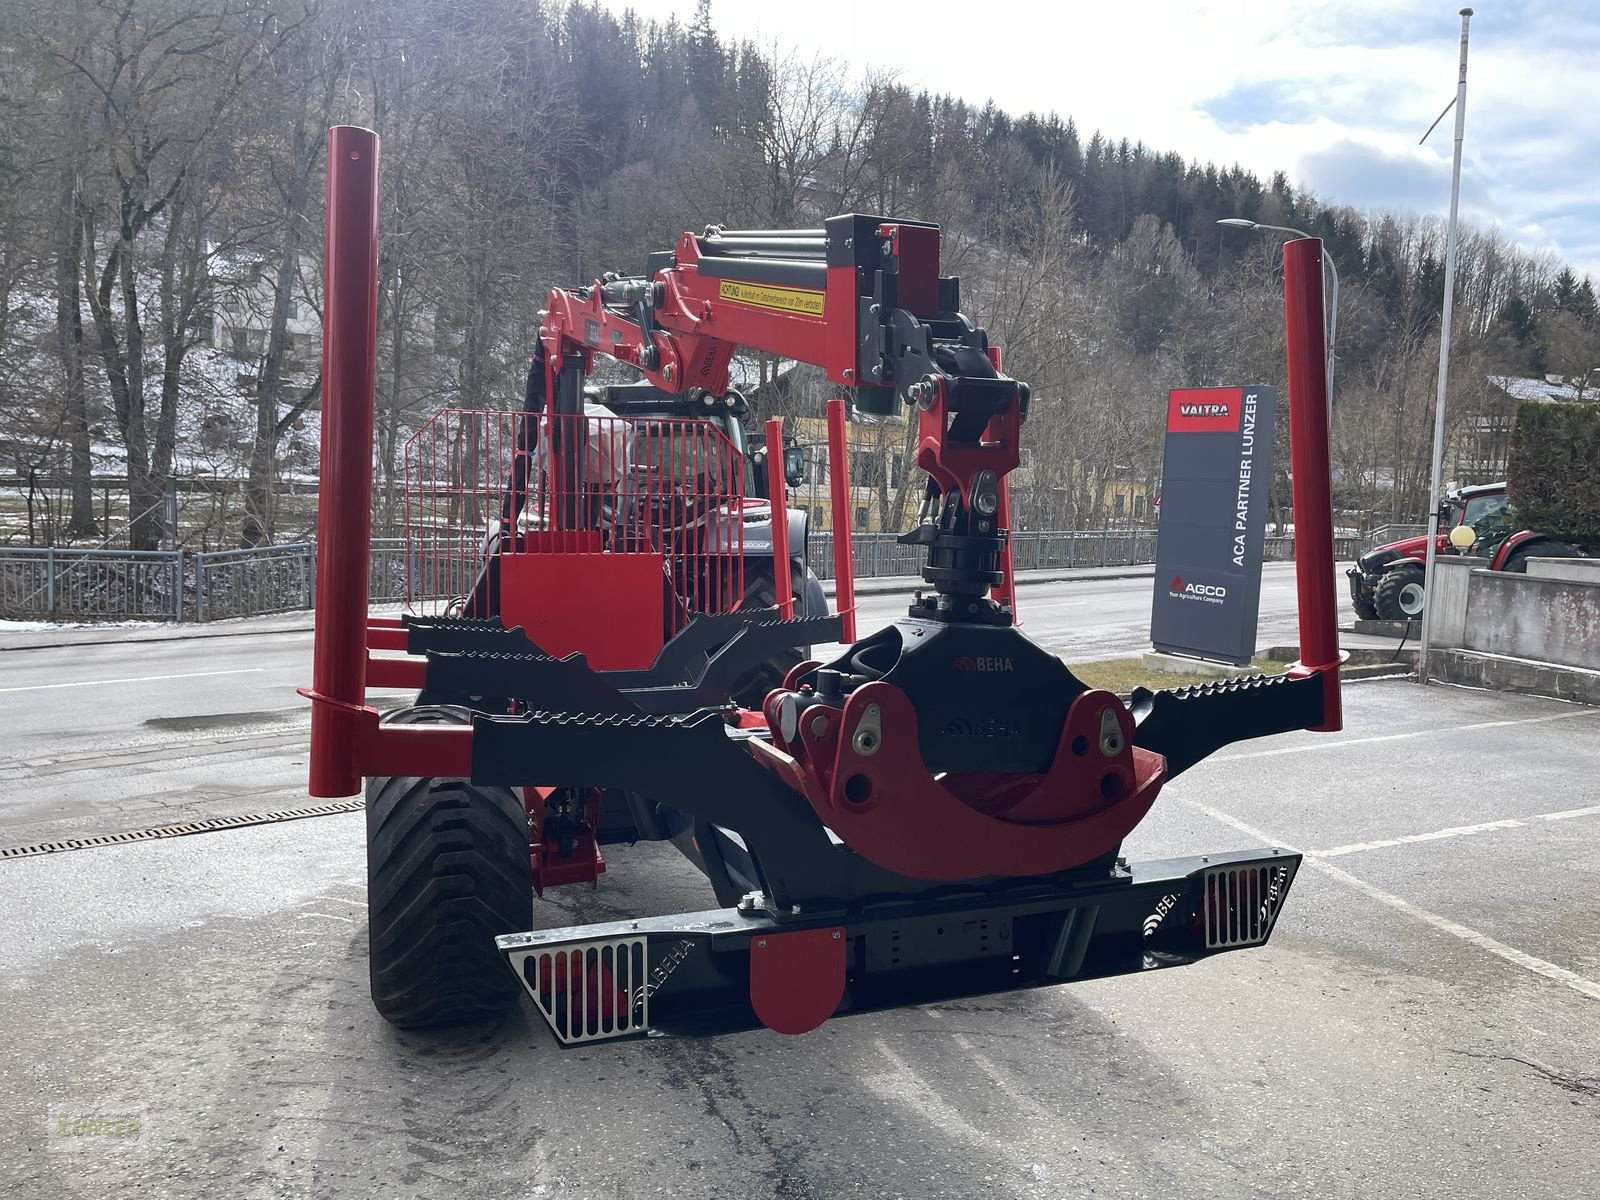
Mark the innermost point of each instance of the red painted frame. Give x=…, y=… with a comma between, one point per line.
x=1306, y=338
x=347, y=742
x=844, y=565
x=777, y=493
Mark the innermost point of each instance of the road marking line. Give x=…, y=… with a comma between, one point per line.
x=1565, y=814
x=1397, y=737
x=1025, y=1104
x=1519, y=958
x=40, y=687
x=1407, y=839
x=1457, y=831
x=902, y=1084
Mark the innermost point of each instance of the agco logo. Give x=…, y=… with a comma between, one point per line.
x=967, y=662
x=1203, y=410
x=1211, y=593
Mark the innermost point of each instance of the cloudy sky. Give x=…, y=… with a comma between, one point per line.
x=1335, y=94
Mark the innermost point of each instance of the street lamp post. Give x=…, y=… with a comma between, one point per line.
x=1327, y=262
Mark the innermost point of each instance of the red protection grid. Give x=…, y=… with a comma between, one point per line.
x=485, y=483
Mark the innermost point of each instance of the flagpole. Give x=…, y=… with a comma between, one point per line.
x=1444, y=352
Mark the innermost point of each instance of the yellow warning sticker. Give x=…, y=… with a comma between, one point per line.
x=790, y=300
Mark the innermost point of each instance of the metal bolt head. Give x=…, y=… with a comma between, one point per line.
x=836, y=935
x=869, y=732
x=1110, y=733
x=794, y=910
x=761, y=943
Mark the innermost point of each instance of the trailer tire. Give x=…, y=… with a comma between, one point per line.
x=447, y=870
x=1401, y=594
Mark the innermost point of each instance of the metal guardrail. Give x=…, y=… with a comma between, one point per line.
x=1281, y=548
x=91, y=584
x=1384, y=534
x=250, y=583
x=177, y=585
x=879, y=555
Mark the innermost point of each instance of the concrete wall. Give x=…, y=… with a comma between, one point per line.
x=1537, y=633
x=1498, y=673
x=1579, y=570
x=1523, y=616
x=1447, y=599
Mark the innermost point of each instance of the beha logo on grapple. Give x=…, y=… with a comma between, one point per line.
x=1211, y=593
x=968, y=662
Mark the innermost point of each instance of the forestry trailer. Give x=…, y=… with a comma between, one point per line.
x=934, y=810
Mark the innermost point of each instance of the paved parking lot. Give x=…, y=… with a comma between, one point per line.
x=1424, y=1022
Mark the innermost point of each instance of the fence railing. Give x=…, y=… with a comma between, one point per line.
x=90, y=584
x=877, y=555
x=250, y=583
x=1384, y=534
x=177, y=585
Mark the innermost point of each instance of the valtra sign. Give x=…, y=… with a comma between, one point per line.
x=1215, y=479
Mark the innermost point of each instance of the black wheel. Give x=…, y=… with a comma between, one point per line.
x=1517, y=560
x=1401, y=594
x=761, y=591
x=447, y=870
x=1365, y=609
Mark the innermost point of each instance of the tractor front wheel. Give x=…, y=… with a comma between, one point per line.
x=448, y=869
x=1401, y=594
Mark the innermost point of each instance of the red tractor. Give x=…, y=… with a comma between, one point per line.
x=936, y=810
x=1389, y=583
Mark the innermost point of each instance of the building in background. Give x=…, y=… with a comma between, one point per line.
x=875, y=460
x=241, y=317
x=1481, y=437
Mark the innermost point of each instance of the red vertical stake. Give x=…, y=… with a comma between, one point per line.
x=844, y=567
x=777, y=490
x=344, y=502
x=1306, y=340
x=1006, y=593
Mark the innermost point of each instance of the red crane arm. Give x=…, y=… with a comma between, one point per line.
x=862, y=298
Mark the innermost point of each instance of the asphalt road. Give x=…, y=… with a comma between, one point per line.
x=1423, y=1023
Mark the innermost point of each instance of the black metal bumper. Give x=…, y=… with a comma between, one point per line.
x=740, y=968
x=1358, y=588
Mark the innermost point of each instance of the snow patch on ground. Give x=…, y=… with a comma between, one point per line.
x=53, y=626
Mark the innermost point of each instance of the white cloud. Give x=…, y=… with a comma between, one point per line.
x=1335, y=94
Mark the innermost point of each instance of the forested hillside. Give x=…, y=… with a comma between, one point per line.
x=150, y=146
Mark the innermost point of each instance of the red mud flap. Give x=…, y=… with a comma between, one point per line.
x=698, y=974
x=797, y=979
